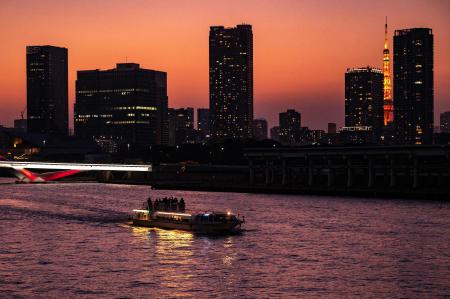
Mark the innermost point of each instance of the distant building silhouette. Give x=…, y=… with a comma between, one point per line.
x=122, y=107
x=290, y=124
x=275, y=133
x=331, y=128
x=47, y=91
x=20, y=124
x=260, y=129
x=203, y=123
x=364, y=102
x=413, y=86
x=231, y=81
x=445, y=122
x=181, y=126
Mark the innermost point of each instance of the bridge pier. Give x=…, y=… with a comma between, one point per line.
x=108, y=175
x=310, y=172
x=251, y=172
x=272, y=173
x=415, y=174
x=392, y=182
x=349, y=173
x=330, y=180
x=370, y=170
x=283, y=172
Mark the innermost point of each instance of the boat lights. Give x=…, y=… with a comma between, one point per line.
x=175, y=214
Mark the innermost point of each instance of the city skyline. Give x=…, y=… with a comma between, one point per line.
x=302, y=35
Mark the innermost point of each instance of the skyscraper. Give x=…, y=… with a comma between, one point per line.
x=364, y=101
x=231, y=81
x=260, y=129
x=413, y=86
x=47, y=94
x=124, y=105
x=290, y=126
x=388, y=106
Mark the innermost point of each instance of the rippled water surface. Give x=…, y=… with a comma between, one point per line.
x=73, y=240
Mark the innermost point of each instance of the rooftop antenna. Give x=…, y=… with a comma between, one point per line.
x=23, y=111
x=385, y=35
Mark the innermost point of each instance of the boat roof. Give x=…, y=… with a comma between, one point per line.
x=140, y=211
x=185, y=214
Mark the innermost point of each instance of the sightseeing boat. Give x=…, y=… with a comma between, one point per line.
x=209, y=223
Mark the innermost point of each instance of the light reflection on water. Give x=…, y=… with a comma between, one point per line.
x=74, y=240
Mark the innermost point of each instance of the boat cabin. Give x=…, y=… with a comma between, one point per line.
x=141, y=214
x=180, y=217
x=215, y=217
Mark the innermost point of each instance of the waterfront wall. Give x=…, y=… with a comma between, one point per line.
x=412, y=171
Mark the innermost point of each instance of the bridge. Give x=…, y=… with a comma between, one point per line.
x=422, y=170
x=22, y=172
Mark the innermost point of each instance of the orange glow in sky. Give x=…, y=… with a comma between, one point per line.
x=301, y=48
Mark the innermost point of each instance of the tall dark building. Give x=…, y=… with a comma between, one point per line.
x=203, y=123
x=47, y=93
x=364, y=101
x=125, y=106
x=181, y=126
x=445, y=122
x=290, y=126
x=413, y=86
x=231, y=81
x=260, y=129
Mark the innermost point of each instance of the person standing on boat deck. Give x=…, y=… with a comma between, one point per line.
x=181, y=205
x=149, y=204
x=175, y=204
x=166, y=203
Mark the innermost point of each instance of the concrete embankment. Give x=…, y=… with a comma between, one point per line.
x=238, y=179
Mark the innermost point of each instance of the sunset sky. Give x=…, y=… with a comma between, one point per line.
x=301, y=48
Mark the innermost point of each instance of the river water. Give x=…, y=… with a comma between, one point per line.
x=73, y=240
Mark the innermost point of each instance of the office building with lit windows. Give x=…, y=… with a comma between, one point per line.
x=124, y=107
x=47, y=90
x=231, y=81
x=290, y=127
x=364, y=103
x=181, y=126
x=413, y=86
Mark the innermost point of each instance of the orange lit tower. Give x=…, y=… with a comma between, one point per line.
x=388, y=106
